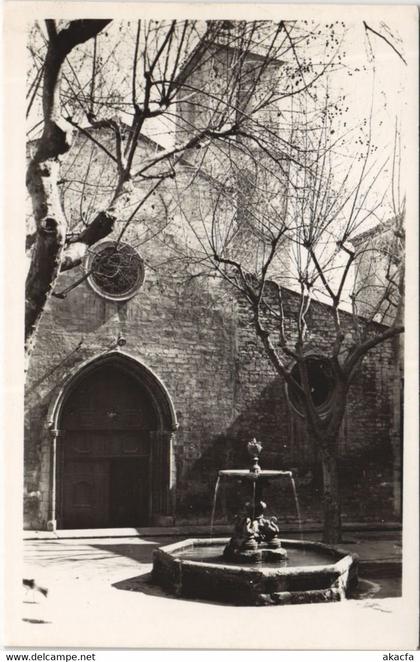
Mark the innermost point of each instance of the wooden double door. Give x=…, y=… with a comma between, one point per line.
x=101, y=486
x=105, y=466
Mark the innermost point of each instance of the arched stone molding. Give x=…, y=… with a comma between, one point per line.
x=162, y=457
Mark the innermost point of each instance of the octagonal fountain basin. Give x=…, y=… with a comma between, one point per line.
x=313, y=572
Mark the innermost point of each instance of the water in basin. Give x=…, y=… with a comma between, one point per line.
x=295, y=557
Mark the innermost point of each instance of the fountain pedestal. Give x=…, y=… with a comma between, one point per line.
x=256, y=538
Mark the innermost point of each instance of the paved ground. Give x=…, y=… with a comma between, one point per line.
x=100, y=595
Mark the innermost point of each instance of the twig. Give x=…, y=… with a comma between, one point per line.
x=381, y=36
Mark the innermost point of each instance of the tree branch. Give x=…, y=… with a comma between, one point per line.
x=43, y=172
x=362, y=349
x=76, y=249
x=381, y=36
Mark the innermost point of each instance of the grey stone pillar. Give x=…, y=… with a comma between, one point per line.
x=163, y=478
x=52, y=515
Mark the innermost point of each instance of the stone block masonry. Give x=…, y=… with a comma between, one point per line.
x=203, y=347
x=199, y=340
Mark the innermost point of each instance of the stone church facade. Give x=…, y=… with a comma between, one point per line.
x=158, y=392
x=136, y=397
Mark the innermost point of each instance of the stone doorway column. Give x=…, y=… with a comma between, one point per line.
x=163, y=478
x=52, y=509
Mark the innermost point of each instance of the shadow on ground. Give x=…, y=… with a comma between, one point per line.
x=141, y=553
x=85, y=551
x=385, y=587
x=144, y=584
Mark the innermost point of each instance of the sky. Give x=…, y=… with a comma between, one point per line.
x=372, y=79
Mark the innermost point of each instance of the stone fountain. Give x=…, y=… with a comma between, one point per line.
x=255, y=566
x=256, y=538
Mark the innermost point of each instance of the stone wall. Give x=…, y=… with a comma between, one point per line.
x=198, y=338
x=200, y=343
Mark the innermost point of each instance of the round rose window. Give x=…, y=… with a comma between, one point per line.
x=115, y=270
x=321, y=382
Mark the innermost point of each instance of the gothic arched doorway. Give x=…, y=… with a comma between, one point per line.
x=114, y=427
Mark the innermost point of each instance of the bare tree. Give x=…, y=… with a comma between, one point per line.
x=44, y=168
x=247, y=106
x=310, y=201
x=379, y=286
x=112, y=83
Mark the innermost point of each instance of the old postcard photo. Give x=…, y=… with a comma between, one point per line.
x=211, y=350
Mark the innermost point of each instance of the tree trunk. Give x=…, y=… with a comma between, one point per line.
x=44, y=169
x=331, y=498
x=50, y=239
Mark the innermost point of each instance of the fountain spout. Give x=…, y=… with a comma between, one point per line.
x=255, y=537
x=254, y=449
